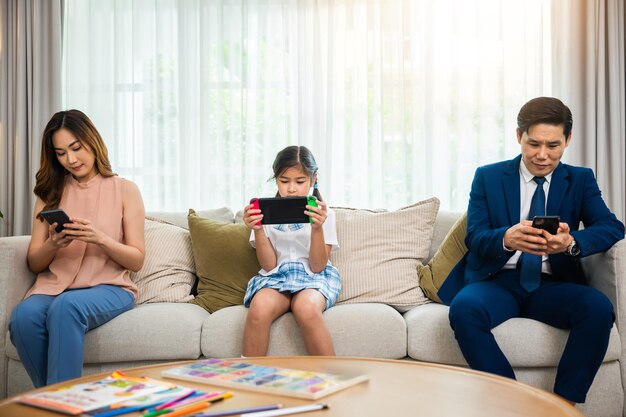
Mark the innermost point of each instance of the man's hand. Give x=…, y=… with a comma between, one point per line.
x=525, y=238
x=560, y=242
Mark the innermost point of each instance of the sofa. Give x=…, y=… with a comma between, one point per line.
x=156, y=332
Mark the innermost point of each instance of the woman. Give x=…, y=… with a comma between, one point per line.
x=83, y=270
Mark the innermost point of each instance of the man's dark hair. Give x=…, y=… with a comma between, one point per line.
x=548, y=110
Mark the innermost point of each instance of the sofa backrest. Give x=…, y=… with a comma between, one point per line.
x=445, y=220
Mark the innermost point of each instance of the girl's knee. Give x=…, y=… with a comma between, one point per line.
x=259, y=314
x=307, y=309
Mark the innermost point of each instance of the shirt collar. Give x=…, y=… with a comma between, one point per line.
x=528, y=177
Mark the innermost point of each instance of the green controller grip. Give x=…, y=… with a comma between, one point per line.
x=311, y=200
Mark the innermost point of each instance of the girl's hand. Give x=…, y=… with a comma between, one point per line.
x=57, y=240
x=318, y=214
x=82, y=229
x=252, y=217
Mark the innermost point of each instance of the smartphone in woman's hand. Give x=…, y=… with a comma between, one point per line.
x=57, y=216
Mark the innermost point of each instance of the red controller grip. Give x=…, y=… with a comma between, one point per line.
x=255, y=205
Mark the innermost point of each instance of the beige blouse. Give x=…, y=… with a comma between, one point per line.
x=81, y=264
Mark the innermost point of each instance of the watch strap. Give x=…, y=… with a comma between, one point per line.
x=573, y=249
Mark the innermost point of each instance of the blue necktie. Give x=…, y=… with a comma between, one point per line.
x=530, y=265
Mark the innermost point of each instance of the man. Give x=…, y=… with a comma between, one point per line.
x=515, y=270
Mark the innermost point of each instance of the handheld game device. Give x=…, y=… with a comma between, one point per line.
x=284, y=210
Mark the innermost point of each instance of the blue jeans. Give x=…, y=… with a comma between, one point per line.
x=584, y=311
x=49, y=331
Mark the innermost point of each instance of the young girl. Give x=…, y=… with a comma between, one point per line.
x=83, y=270
x=297, y=274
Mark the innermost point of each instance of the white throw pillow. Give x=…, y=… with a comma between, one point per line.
x=380, y=252
x=168, y=272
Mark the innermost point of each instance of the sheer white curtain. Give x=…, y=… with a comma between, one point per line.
x=398, y=100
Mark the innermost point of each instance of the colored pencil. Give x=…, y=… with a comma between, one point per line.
x=174, y=401
x=241, y=411
x=286, y=411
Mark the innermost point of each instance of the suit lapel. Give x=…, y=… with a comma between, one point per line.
x=510, y=186
x=558, y=188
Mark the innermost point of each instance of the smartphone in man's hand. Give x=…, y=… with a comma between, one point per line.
x=547, y=223
x=57, y=216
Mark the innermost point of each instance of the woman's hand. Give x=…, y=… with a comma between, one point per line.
x=252, y=217
x=318, y=214
x=84, y=230
x=57, y=240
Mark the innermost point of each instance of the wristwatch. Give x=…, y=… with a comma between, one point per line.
x=573, y=249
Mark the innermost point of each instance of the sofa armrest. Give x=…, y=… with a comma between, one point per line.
x=15, y=280
x=606, y=271
x=15, y=277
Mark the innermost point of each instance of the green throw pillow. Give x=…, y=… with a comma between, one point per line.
x=224, y=260
x=449, y=253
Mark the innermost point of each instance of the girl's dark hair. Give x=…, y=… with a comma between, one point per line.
x=548, y=110
x=296, y=157
x=51, y=175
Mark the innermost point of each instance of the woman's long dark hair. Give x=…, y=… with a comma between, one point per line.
x=296, y=157
x=51, y=175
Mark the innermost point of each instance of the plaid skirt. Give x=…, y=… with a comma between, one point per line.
x=292, y=277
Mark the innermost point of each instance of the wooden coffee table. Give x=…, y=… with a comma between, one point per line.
x=394, y=388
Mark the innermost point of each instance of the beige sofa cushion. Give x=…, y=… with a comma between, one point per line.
x=149, y=332
x=380, y=252
x=168, y=272
x=526, y=343
x=370, y=330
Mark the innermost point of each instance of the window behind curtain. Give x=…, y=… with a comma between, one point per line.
x=398, y=100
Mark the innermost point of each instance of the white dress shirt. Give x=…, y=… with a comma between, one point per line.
x=527, y=189
x=293, y=245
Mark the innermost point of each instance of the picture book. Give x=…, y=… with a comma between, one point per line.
x=280, y=381
x=89, y=396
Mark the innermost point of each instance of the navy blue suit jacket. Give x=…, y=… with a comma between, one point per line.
x=494, y=207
